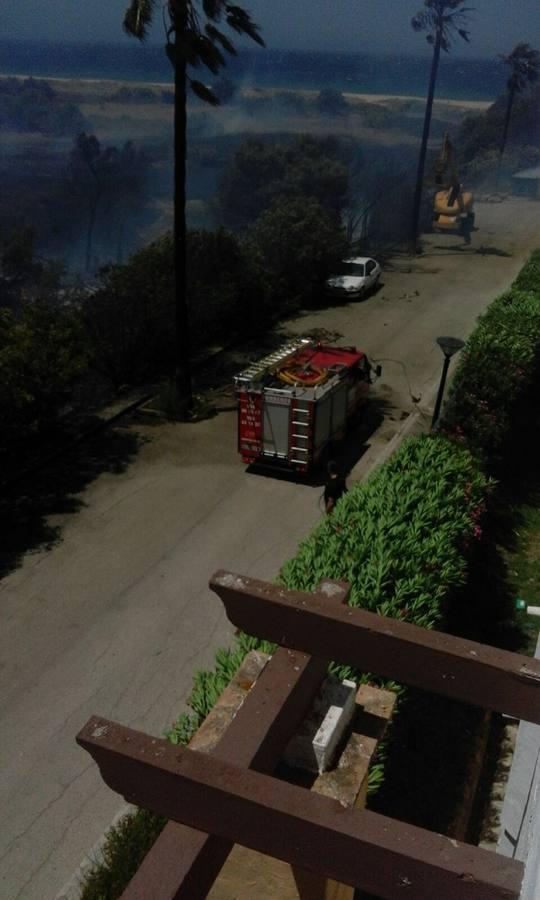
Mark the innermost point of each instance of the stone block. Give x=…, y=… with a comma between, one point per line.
x=314, y=745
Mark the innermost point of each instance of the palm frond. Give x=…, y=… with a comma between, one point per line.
x=204, y=92
x=138, y=18
x=189, y=37
x=218, y=37
x=213, y=9
x=421, y=21
x=524, y=62
x=239, y=20
x=445, y=18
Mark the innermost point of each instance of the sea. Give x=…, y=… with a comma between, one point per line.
x=458, y=78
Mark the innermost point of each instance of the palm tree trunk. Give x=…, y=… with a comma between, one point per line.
x=509, y=105
x=504, y=138
x=90, y=234
x=182, y=375
x=423, y=146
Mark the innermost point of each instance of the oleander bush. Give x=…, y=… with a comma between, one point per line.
x=400, y=537
x=495, y=386
x=529, y=276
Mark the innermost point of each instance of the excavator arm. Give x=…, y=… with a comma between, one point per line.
x=451, y=203
x=446, y=171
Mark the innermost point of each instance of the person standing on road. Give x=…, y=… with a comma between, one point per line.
x=466, y=228
x=335, y=486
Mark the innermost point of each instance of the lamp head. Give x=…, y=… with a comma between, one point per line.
x=450, y=345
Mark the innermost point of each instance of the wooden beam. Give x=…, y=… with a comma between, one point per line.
x=184, y=863
x=454, y=667
x=356, y=847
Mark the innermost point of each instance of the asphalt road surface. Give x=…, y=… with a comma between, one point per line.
x=115, y=616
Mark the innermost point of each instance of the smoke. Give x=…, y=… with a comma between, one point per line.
x=384, y=134
x=35, y=189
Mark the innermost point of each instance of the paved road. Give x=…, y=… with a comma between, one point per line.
x=115, y=618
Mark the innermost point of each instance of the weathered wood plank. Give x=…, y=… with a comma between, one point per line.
x=353, y=846
x=454, y=667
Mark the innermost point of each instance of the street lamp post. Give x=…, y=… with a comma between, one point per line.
x=449, y=346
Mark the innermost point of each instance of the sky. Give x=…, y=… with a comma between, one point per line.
x=347, y=25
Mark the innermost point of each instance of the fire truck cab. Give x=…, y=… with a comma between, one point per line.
x=293, y=403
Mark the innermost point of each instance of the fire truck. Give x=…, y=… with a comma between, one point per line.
x=298, y=400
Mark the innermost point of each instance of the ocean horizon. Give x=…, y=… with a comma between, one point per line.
x=460, y=79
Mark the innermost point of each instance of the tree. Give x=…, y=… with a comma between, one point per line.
x=41, y=356
x=192, y=38
x=31, y=104
x=261, y=172
x=331, y=102
x=442, y=20
x=106, y=179
x=378, y=202
x=524, y=64
x=232, y=287
x=299, y=243
x=25, y=277
x=129, y=319
x=479, y=140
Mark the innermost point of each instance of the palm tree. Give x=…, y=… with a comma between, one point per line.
x=192, y=38
x=442, y=20
x=524, y=63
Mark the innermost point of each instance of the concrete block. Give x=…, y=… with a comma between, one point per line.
x=314, y=745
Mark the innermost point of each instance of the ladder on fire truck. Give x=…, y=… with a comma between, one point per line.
x=301, y=424
x=260, y=367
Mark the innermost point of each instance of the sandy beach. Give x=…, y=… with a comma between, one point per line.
x=98, y=89
x=143, y=111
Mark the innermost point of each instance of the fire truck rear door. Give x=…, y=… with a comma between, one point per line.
x=276, y=426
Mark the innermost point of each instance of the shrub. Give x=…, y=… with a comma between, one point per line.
x=41, y=356
x=292, y=102
x=299, y=243
x=529, y=277
x=126, y=845
x=399, y=538
x=228, y=287
x=496, y=372
x=331, y=102
x=30, y=104
x=129, y=318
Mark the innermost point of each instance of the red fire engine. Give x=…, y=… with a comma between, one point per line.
x=294, y=402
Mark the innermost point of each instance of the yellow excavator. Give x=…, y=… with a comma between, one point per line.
x=453, y=208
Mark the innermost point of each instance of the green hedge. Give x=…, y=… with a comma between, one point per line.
x=398, y=538
x=529, y=276
x=496, y=381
